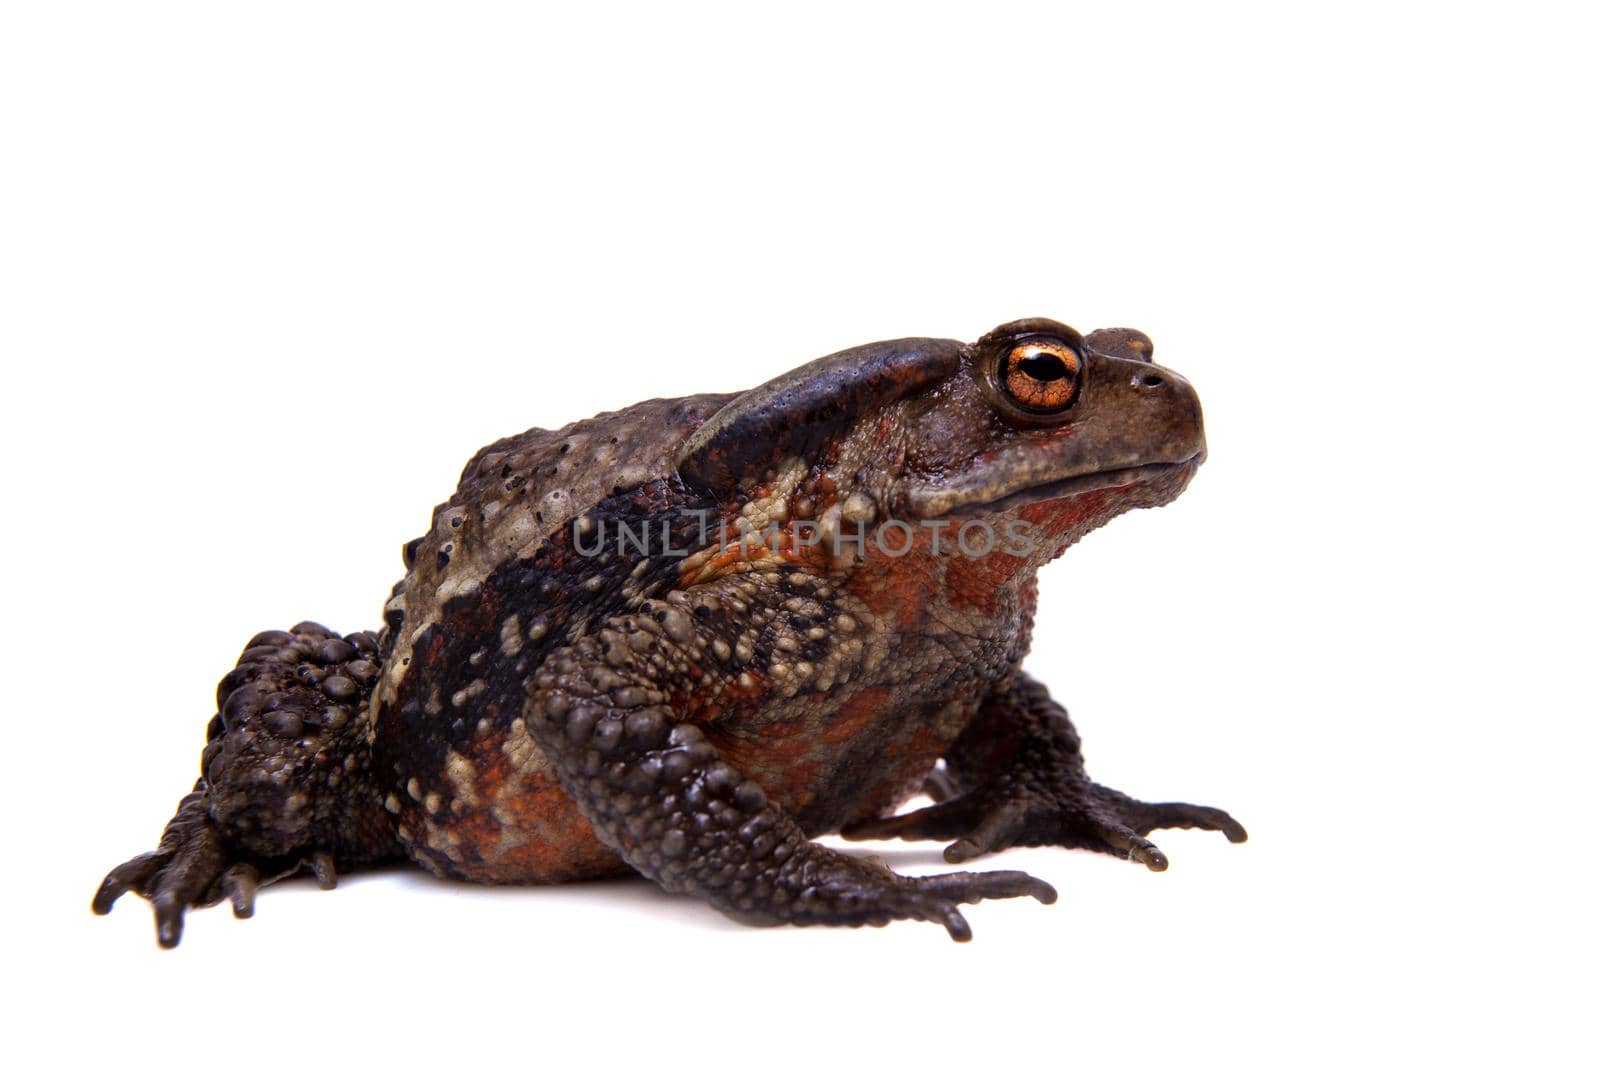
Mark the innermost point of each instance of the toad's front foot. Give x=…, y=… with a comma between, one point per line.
x=193, y=868
x=1016, y=776
x=1073, y=813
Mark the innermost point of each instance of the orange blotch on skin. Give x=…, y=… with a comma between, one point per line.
x=1056, y=517
x=884, y=430
x=768, y=757
x=859, y=710
x=797, y=780
x=899, y=587
x=971, y=582
x=557, y=844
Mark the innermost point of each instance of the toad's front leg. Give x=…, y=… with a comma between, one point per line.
x=605, y=711
x=1015, y=777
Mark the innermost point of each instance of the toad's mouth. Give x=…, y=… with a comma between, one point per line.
x=954, y=500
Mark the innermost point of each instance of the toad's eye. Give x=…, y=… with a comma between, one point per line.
x=1042, y=375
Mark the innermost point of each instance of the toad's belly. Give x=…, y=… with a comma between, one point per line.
x=489, y=807
x=836, y=762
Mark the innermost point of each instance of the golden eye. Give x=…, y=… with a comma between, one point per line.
x=1042, y=375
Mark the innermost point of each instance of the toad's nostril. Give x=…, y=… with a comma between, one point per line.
x=1151, y=381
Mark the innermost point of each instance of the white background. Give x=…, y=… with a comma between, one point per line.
x=271, y=273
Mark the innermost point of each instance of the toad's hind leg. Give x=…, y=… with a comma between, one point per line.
x=285, y=783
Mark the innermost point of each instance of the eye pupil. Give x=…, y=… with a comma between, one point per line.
x=1041, y=376
x=1042, y=367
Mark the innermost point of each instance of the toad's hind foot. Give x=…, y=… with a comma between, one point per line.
x=284, y=783
x=193, y=868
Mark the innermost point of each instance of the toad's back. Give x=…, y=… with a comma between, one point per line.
x=489, y=589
